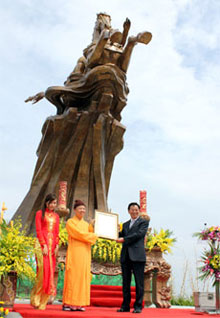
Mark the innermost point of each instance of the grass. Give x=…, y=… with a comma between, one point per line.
x=182, y=301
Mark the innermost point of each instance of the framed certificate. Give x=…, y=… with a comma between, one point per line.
x=106, y=225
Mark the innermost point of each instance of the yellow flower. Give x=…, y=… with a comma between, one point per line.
x=16, y=248
x=6, y=311
x=106, y=250
x=161, y=240
x=162, y=233
x=215, y=262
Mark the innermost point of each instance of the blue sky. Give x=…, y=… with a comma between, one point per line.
x=171, y=145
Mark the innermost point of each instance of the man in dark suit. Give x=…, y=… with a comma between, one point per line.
x=133, y=257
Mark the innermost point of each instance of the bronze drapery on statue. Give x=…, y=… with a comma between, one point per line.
x=80, y=143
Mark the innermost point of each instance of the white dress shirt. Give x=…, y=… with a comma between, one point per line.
x=132, y=222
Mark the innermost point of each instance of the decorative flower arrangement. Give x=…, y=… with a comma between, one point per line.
x=3, y=312
x=16, y=249
x=162, y=240
x=63, y=235
x=211, y=257
x=211, y=265
x=106, y=251
x=211, y=234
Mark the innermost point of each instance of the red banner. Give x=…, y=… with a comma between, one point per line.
x=143, y=201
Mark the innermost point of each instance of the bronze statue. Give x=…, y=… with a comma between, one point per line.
x=79, y=144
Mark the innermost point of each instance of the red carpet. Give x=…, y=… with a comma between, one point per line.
x=55, y=311
x=109, y=296
x=105, y=300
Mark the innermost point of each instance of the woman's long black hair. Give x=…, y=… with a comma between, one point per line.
x=49, y=198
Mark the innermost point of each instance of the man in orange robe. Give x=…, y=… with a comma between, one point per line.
x=76, y=292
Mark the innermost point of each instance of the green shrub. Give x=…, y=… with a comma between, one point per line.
x=182, y=301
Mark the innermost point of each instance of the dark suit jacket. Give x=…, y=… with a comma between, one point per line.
x=134, y=240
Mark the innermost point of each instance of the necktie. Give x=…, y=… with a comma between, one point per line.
x=131, y=223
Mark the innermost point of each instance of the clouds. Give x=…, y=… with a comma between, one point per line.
x=171, y=145
x=199, y=33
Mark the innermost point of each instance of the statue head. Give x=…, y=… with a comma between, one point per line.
x=103, y=21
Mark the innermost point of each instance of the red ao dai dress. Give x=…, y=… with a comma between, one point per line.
x=47, y=234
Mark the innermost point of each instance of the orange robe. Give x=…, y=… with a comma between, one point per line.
x=76, y=291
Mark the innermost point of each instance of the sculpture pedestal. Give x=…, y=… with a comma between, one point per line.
x=8, y=286
x=105, y=268
x=156, y=275
x=80, y=148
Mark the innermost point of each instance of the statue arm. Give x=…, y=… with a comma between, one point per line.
x=79, y=69
x=95, y=55
x=80, y=66
x=143, y=37
x=126, y=28
x=36, y=98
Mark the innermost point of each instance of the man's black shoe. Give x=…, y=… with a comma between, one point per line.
x=137, y=311
x=123, y=310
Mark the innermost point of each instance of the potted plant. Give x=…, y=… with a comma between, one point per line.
x=160, y=241
x=16, y=249
x=157, y=243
